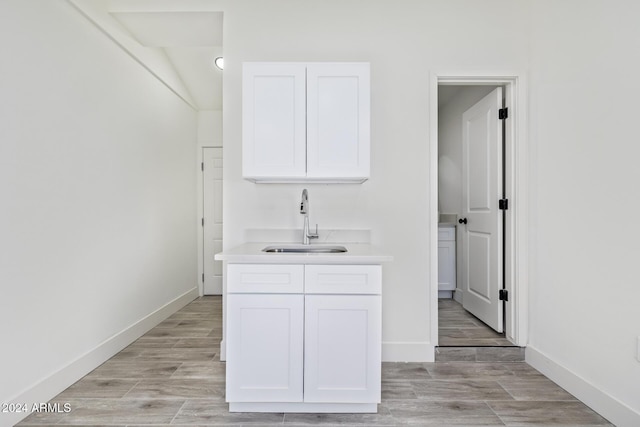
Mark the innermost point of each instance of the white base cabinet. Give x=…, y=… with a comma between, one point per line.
x=312, y=350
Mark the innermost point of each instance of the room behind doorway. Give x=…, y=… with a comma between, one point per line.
x=456, y=326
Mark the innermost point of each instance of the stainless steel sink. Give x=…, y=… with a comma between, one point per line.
x=315, y=249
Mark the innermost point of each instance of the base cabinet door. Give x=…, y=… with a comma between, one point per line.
x=446, y=258
x=342, y=348
x=265, y=348
x=446, y=266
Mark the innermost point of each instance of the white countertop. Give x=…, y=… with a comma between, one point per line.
x=251, y=253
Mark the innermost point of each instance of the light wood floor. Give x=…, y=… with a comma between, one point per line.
x=173, y=376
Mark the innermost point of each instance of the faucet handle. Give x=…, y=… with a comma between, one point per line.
x=313, y=235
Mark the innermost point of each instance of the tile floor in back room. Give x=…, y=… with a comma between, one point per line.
x=173, y=376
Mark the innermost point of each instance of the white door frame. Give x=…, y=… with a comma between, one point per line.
x=516, y=227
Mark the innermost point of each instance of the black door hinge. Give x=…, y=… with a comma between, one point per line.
x=503, y=113
x=203, y=222
x=503, y=204
x=503, y=295
x=202, y=166
x=202, y=277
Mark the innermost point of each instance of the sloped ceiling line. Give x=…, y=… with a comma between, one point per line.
x=176, y=47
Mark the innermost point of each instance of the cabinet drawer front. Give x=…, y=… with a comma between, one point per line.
x=446, y=233
x=343, y=279
x=265, y=278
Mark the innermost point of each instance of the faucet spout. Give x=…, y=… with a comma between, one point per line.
x=304, y=204
x=304, y=210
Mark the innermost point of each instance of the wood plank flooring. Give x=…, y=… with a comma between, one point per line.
x=173, y=376
x=459, y=328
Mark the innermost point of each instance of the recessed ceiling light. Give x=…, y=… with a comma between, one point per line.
x=219, y=61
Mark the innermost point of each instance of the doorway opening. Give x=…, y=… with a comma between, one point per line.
x=210, y=154
x=476, y=211
x=471, y=226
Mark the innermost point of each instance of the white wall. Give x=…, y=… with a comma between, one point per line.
x=585, y=311
x=210, y=128
x=97, y=189
x=403, y=44
x=154, y=58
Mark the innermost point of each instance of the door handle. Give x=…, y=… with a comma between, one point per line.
x=462, y=220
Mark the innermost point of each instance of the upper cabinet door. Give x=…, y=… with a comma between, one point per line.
x=338, y=134
x=305, y=122
x=273, y=126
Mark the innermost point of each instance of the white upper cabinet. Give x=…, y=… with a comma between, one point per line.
x=273, y=121
x=306, y=122
x=338, y=121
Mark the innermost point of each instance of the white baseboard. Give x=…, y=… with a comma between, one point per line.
x=408, y=352
x=54, y=384
x=609, y=407
x=457, y=295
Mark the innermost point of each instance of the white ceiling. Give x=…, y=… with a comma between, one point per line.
x=173, y=29
x=190, y=41
x=202, y=79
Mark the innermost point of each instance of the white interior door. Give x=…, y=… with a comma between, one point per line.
x=212, y=187
x=481, y=190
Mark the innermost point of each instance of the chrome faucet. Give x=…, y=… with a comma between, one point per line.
x=304, y=210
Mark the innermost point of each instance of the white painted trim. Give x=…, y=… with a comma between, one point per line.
x=606, y=405
x=200, y=215
x=57, y=382
x=458, y=295
x=304, y=407
x=396, y=351
x=517, y=282
x=223, y=342
x=433, y=212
